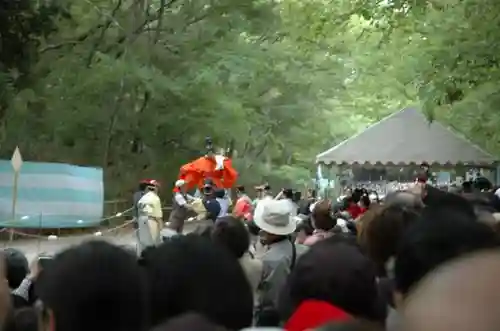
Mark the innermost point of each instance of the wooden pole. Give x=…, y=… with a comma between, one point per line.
x=14, y=203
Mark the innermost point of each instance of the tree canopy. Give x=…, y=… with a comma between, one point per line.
x=135, y=86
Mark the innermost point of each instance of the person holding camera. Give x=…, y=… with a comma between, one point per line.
x=210, y=202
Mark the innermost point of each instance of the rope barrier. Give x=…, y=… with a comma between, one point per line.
x=95, y=234
x=14, y=223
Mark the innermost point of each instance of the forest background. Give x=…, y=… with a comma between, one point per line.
x=134, y=86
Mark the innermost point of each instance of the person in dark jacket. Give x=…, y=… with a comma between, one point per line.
x=210, y=202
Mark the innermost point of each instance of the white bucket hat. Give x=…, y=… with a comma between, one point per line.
x=275, y=217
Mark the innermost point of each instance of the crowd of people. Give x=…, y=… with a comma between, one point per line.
x=423, y=259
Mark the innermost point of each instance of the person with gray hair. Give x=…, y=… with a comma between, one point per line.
x=402, y=198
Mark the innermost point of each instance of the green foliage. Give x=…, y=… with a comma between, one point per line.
x=134, y=87
x=442, y=55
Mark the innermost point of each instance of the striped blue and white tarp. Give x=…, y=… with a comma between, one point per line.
x=51, y=195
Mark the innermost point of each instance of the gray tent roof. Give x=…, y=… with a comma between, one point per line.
x=406, y=137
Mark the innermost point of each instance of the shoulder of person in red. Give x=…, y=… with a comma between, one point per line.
x=354, y=210
x=314, y=313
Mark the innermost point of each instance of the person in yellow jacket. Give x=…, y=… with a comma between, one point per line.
x=150, y=220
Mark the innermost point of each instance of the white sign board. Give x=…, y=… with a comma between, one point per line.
x=16, y=160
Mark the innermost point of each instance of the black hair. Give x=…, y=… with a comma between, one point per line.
x=288, y=193
x=192, y=274
x=189, y=321
x=352, y=325
x=305, y=226
x=365, y=200
x=334, y=270
x=17, y=266
x=377, y=197
x=356, y=195
x=437, y=199
x=253, y=228
x=232, y=234
x=220, y=193
x=482, y=183
x=94, y=286
x=467, y=187
x=297, y=196
x=23, y=319
x=204, y=230
x=240, y=188
x=143, y=186
x=439, y=236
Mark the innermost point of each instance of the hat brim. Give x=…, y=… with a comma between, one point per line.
x=279, y=231
x=276, y=230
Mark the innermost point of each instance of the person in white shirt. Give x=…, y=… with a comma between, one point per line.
x=150, y=220
x=224, y=202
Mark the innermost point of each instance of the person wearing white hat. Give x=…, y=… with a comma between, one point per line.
x=150, y=220
x=275, y=219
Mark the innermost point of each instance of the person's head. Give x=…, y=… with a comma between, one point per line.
x=263, y=190
x=304, y=230
x=142, y=186
x=288, y=193
x=297, y=196
x=356, y=195
x=374, y=197
x=191, y=274
x=437, y=199
x=322, y=217
x=335, y=271
x=152, y=185
x=17, y=266
x=381, y=235
x=274, y=219
x=209, y=188
x=311, y=194
x=365, y=219
x=93, y=286
x=467, y=187
x=353, y=325
x=208, y=191
x=364, y=201
x=23, y=319
x=231, y=233
x=405, y=199
x=181, y=185
x=461, y=295
x=482, y=184
x=240, y=190
x=438, y=237
x=220, y=193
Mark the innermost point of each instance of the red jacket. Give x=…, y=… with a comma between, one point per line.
x=355, y=210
